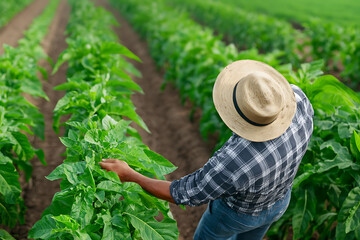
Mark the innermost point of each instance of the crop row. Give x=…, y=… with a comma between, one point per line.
x=338, y=46
x=18, y=117
x=8, y=9
x=93, y=203
x=326, y=190
x=191, y=55
x=247, y=30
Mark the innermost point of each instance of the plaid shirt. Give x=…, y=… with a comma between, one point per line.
x=250, y=176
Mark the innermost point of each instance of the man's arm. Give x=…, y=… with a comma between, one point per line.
x=155, y=187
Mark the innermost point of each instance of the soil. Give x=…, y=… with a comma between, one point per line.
x=173, y=135
x=38, y=192
x=13, y=30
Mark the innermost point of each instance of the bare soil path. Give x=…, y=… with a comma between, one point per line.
x=38, y=192
x=172, y=133
x=13, y=30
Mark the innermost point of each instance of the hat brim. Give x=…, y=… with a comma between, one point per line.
x=223, y=100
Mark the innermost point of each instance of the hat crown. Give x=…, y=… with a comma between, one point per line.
x=260, y=97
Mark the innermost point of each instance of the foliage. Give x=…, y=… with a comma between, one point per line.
x=190, y=54
x=326, y=187
x=88, y=206
x=245, y=29
x=325, y=40
x=18, y=75
x=350, y=58
x=8, y=9
x=93, y=203
x=336, y=44
x=5, y=235
x=340, y=12
x=325, y=192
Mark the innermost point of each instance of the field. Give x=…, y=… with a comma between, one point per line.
x=340, y=12
x=84, y=80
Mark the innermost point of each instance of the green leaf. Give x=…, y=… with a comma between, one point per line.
x=355, y=145
x=43, y=72
x=350, y=210
x=159, y=164
x=9, y=183
x=68, y=221
x=151, y=229
x=108, y=175
x=4, y=159
x=109, y=186
x=342, y=159
x=61, y=202
x=115, y=227
x=108, y=122
x=100, y=195
x=68, y=86
x=66, y=100
x=40, y=154
x=82, y=210
x=129, y=84
x=117, y=132
x=299, y=179
x=42, y=229
x=23, y=147
x=59, y=171
x=4, y=235
x=63, y=57
x=117, y=48
x=302, y=216
x=93, y=136
x=158, y=159
x=33, y=88
x=128, y=111
x=67, y=142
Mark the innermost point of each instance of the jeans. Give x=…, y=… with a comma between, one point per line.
x=220, y=222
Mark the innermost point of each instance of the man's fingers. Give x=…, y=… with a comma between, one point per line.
x=105, y=165
x=109, y=160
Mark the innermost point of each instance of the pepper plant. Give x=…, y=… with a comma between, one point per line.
x=8, y=9
x=325, y=197
x=93, y=203
x=18, y=117
x=191, y=56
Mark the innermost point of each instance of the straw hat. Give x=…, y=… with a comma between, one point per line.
x=254, y=100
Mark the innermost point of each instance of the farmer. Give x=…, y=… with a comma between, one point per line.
x=248, y=181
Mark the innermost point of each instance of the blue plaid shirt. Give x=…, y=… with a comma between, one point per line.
x=250, y=176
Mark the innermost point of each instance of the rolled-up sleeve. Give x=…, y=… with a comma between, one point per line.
x=212, y=181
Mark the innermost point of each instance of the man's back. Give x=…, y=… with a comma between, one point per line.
x=250, y=176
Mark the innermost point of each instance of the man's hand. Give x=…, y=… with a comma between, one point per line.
x=158, y=188
x=121, y=168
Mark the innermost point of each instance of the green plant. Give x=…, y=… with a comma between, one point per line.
x=350, y=58
x=326, y=188
x=325, y=193
x=5, y=235
x=9, y=9
x=93, y=203
x=337, y=45
x=18, y=117
x=245, y=29
x=191, y=55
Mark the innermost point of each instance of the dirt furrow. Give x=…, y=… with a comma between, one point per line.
x=13, y=30
x=173, y=135
x=38, y=193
